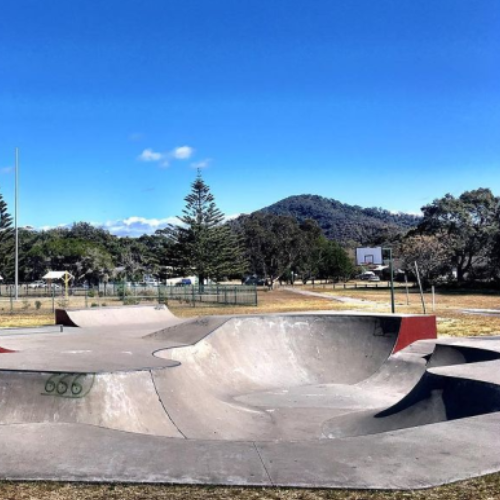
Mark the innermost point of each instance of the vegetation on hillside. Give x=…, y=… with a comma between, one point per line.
x=350, y=225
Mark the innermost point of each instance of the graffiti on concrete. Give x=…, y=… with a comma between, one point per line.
x=69, y=385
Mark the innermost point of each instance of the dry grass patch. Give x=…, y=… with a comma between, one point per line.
x=25, y=320
x=485, y=488
x=452, y=321
x=276, y=301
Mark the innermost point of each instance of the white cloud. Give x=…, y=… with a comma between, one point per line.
x=150, y=155
x=202, y=164
x=183, y=153
x=232, y=217
x=419, y=213
x=6, y=170
x=163, y=159
x=136, y=226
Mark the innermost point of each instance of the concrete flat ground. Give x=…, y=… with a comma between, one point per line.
x=309, y=400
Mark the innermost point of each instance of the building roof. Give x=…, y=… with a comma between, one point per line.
x=56, y=275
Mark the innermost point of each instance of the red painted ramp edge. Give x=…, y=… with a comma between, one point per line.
x=5, y=351
x=415, y=328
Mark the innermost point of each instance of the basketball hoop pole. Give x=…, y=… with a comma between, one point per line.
x=391, y=270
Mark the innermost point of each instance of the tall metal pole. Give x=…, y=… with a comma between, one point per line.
x=16, y=278
x=391, y=270
x=420, y=287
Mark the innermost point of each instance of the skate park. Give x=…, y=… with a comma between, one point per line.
x=325, y=400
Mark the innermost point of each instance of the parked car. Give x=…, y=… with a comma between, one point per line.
x=374, y=278
x=37, y=284
x=254, y=280
x=184, y=282
x=367, y=275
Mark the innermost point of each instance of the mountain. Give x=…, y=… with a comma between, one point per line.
x=348, y=224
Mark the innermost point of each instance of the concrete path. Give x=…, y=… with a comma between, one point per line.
x=482, y=312
x=337, y=298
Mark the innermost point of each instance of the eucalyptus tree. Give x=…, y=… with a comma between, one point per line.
x=467, y=227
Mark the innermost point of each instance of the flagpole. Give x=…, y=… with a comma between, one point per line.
x=16, y=278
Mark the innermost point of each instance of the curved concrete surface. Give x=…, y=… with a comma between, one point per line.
x=322, y=400
x=114, y=316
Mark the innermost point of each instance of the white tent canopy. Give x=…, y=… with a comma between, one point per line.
x=57, y=275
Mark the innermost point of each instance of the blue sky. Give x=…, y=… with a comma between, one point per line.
x=388, y=103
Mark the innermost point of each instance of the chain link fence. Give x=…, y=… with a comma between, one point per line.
x=45, y=299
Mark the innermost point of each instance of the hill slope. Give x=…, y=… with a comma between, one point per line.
x=345, y=223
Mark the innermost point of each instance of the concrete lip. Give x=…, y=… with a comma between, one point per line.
x=309, y=400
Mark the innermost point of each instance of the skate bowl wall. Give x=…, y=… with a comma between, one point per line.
x=268, y=351
x=109, y=400
x=276, y=377
x=114, y=316
x=278, y=351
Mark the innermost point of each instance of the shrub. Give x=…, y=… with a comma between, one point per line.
x=122, y=292
x=130, y=301
x=38, y=304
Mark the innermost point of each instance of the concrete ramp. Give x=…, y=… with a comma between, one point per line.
x=114, y=316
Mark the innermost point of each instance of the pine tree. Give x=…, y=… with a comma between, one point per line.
x=7, y=242
x=203, y=245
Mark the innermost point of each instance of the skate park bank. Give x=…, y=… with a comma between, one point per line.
x=312, y=400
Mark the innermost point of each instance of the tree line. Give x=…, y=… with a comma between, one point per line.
x=265, y=245
x=458, y=238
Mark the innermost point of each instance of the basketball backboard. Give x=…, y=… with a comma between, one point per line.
x=366, y=256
